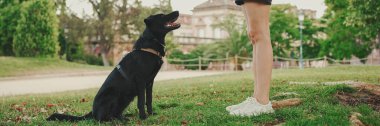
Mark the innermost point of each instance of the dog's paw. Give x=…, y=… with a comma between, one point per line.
x=143, y=116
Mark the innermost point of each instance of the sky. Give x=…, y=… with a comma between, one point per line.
x=185, y=6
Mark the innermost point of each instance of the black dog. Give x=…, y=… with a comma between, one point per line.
x=133, y=76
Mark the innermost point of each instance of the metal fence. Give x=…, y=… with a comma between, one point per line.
x=245, y=63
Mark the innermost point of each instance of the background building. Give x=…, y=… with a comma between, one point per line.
x=199, y=27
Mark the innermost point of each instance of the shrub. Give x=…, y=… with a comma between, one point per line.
x=37, y=30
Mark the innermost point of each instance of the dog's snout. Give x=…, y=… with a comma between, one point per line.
x=175, y=13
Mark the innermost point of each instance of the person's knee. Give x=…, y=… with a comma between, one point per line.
x=258, y=36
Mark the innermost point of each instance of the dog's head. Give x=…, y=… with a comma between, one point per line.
x=162, y=23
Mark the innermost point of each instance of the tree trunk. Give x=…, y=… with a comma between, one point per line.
x=378, y=41
x=104, y=58
x=239, y=67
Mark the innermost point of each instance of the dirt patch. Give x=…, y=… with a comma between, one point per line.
x=354, y=119
x=365, y=94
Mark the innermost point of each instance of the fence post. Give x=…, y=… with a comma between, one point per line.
x=324, y=61
x=236, y=63
x=275, y=63
x=275, y=58
x=199, y=63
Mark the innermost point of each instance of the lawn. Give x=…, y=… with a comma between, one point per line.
x=202, y=101
x=12, y=66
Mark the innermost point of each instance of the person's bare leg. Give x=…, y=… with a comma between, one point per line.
x=253, y=50
x=258, y=29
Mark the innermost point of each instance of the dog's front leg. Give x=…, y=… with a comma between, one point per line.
x=141, y=104
x=149, y=99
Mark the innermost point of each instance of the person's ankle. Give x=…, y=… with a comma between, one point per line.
x=262, y=101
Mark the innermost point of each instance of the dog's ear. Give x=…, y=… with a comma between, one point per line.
x=147, y=21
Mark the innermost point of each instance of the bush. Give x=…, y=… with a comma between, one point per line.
x=9, y=14
x=37, y=30
x=178, y=55
x=93, y=60
x=75, y=53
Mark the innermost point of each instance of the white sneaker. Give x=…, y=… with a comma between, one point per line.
x=237, y=106
x=252, y=108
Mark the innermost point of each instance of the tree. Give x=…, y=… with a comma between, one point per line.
x=366, y=16
x=311, y=43
x=236, y=44
x=104, y=12
x=283, y=29
x=9, y=14
x=76, y=28
x=113, y=17
x=344, y=41
x=37, y=30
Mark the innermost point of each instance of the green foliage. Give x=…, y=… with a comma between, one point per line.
x=366, y=16
x=237, y=42
x=344, y=40
x=93, y=60
x=139, y=13
x=129, y=15
x=193, y=56
x=9, y=14
x=75, y=51
x=62, y=43
x=284, y=30
x=37, y=30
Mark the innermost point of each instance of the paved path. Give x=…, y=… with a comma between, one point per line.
x=48, y=84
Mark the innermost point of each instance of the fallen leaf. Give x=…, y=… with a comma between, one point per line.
x=20, y=109
x=184, y=123
x=83, y=100
x=50, y=105
x=138, y=123
x=18, y=119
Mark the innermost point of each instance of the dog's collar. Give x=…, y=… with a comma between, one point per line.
x=151, y=51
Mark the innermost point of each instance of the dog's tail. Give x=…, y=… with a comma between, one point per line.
x=62, y=117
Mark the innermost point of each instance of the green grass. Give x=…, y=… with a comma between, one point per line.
x=175, y=101
x=12, y=66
